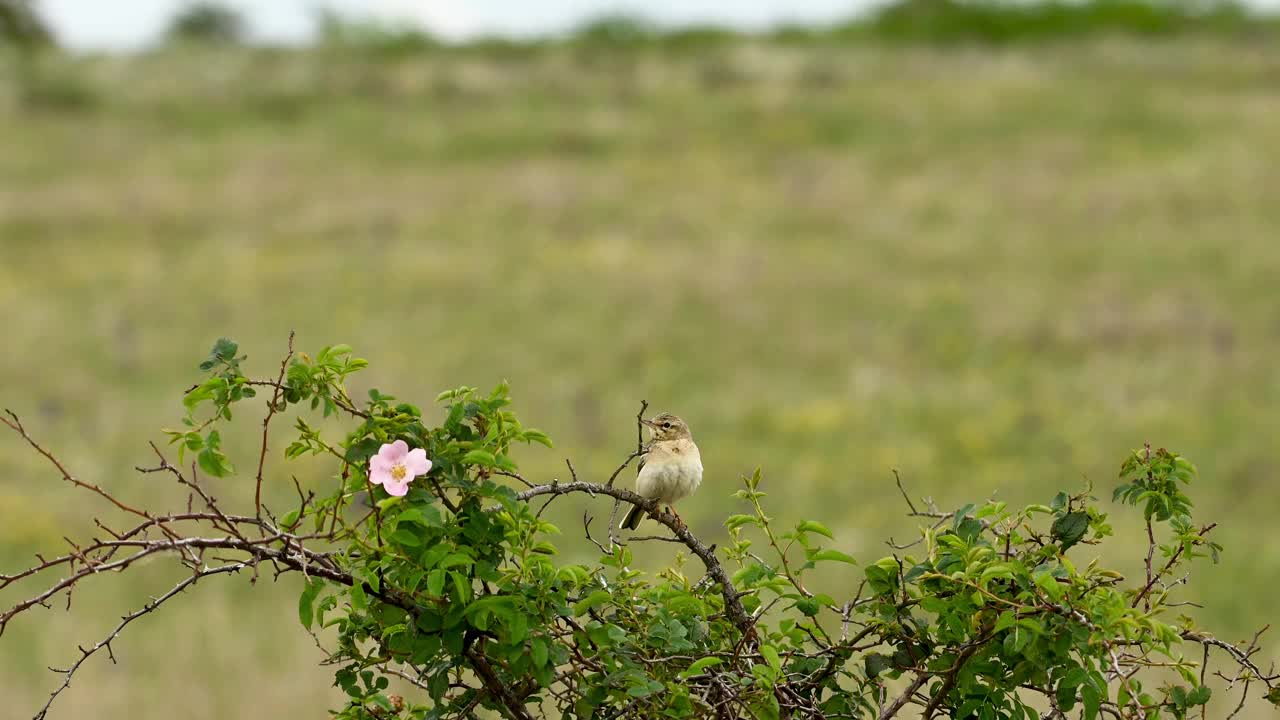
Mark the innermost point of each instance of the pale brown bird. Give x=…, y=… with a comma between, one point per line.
x=671, y=469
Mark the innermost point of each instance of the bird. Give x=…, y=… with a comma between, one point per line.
x=671, y=468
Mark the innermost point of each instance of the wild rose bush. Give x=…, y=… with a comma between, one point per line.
x=426, y=567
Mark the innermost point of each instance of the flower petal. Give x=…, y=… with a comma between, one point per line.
x=417, y=463
x=398, y=489
x=381, y=476
x=379, y=463
x=393, y=451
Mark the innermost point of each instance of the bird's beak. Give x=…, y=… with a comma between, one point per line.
x=647, y=422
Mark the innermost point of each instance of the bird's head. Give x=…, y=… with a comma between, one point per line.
x=667, y=427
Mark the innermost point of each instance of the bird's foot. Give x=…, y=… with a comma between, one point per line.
x=679, y=520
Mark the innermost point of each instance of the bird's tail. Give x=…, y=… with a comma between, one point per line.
x=633, y=518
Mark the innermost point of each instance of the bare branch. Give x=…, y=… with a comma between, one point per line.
x=272, y=407
x=124, y=621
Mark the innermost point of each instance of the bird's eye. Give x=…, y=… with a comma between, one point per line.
x=666, y=425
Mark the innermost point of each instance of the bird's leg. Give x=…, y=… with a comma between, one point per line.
x=679, y=520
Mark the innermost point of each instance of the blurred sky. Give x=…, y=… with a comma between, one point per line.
x=123, y=24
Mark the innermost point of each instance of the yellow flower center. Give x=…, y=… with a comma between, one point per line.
x=398, y=472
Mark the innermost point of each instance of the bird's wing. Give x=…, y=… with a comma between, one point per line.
x=640, y=465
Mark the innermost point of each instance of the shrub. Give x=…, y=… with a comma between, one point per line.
x=21, y=27
x=207, y=23
x=448, y=582
x=374, y=37
x=615, y=31
x=1000, y=21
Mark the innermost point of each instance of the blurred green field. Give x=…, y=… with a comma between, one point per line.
x=994, y=270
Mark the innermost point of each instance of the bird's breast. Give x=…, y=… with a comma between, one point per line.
x=670, y=475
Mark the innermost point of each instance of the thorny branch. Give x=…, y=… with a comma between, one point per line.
x=259, y=539
x=272, y=408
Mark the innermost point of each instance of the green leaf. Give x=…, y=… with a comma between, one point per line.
x=424, y=515
x=997, y=571
x=573, y=573
x=1066, y=695
x=883, y=575
x=1049, y=584
x=699, y=665
x=1091, y=700
x=770, y=654
x=461, y=587
x=455, y=393
x=479, y=457
x=363, y=450
x=432, y=556
x=916, y=571
x=1273, y=696
x=532, y=435
x=435, y=583
x=645, y=689
x=876, y=663
x=1069, y=529
x=1017, y=639
x=517, y=628
x=306, y=601
x=406, y=537
x=539, y=651
x=814, y=526
x=598, y=597
x=1060, y=501
x=1199, y=696
x=1006, y=620
x=836, y=555
x=212, y=461
x=456, y=559
x=969, y=529
x=479, y=610
x=223, y=349
x=766, y=708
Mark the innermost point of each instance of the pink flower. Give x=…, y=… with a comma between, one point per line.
x=395, y=466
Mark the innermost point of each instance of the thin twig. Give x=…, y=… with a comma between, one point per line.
x=124, y=621
x=272, y=407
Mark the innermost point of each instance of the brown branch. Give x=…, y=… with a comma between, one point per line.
x=299, y=559
x=124, y=621
x=494, y=685
x=210, y=501
x=892, y=708
x=17, y=427
x=640, y=446
x=733, y=607
x=1241, y=657
x=1152, y=579
x=272, y=408
x=949, y=680
x=213, y=519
